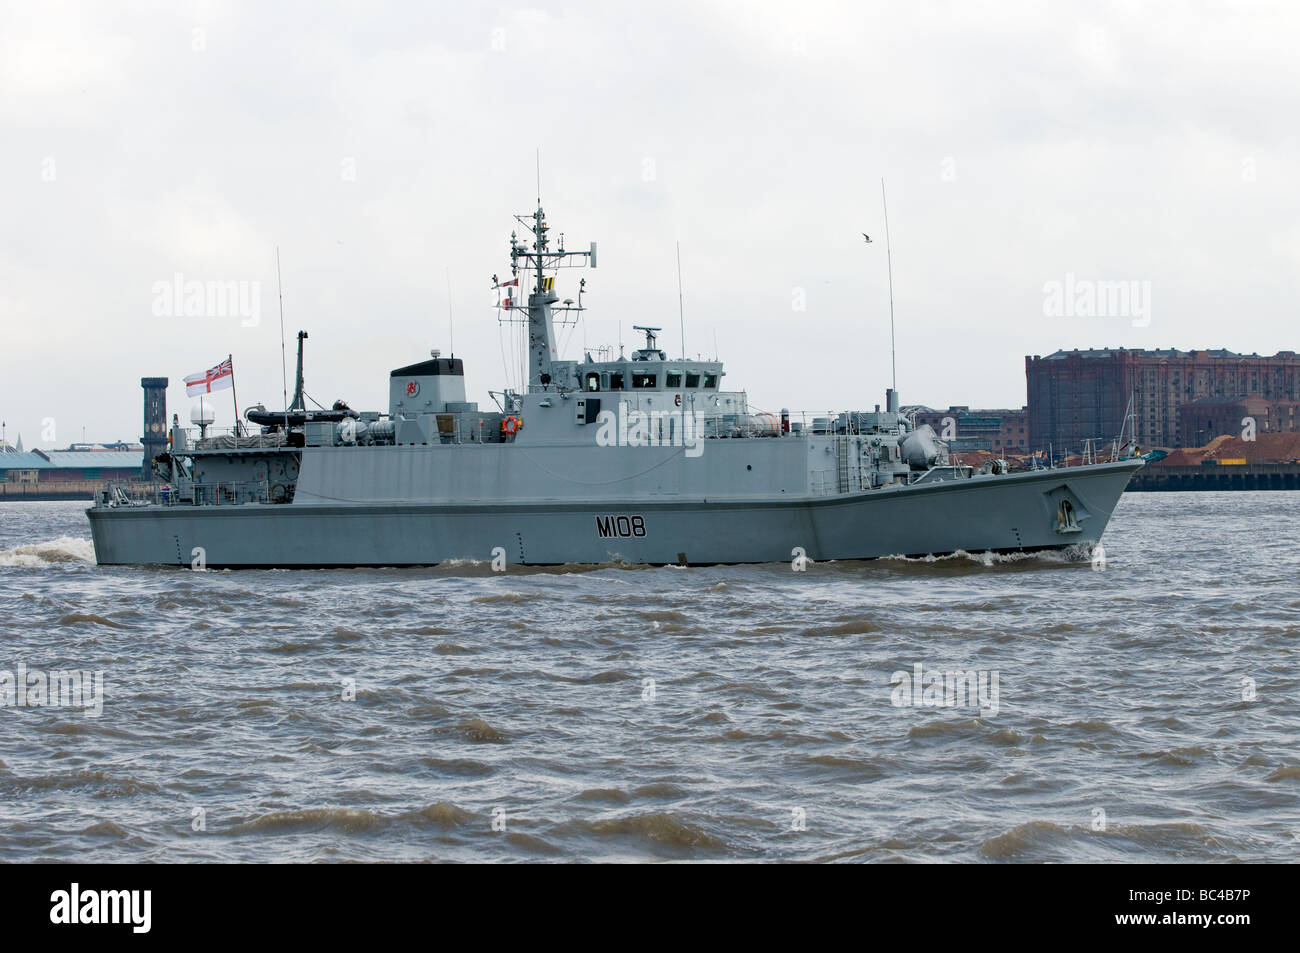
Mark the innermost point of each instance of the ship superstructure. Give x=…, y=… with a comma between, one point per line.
x=640, y=458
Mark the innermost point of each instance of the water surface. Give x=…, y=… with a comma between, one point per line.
x=626, y=713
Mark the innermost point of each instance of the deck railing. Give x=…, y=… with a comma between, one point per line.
x=195, y=494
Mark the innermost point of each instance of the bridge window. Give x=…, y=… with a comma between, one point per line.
x=643, y=380
x=710, y=380
x=593, y=381
x=692, y=380
x=673, y=379
x=615, y=381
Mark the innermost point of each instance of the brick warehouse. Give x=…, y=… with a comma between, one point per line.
x=1078, y=395
x=999, y=431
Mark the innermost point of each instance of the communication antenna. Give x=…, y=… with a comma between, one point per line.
x=681, y=308
x=889, y=263
x=284, y=371
x=451, y=317
x=539, y=175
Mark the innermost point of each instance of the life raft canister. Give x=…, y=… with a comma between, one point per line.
x=511, y=425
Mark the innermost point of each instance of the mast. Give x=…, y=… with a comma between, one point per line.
x=541, y=326
x=234, y=399
x=298, y=402
x=889, y=259
x=284, y=376
x=681, y=307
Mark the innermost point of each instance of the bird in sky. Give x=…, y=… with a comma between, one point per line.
x=867, y=237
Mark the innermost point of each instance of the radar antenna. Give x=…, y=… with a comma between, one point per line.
x=538, y=257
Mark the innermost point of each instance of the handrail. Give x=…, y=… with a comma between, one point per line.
x=222, y=493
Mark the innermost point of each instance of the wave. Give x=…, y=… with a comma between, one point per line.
x=350, y=820
x=346, y=820
x=989, y=558
x=532, y=844
x=99, y=783
x=1021, y=840
x=659, y=789
x=856, y=627
x=1167, y=834
x=443, y=814
x=66, y=550
x=106, y=829
x=656, y=828
x=74, y=618
x=858, y=765
x=609, y=795
x=458, y=766
x=478, y=731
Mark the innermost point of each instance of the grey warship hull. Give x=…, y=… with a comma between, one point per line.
x=640, y=459
x=1016, y=512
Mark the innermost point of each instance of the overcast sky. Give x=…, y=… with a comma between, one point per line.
x=384, y=148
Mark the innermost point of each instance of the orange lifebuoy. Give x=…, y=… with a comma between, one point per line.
x=511, y=425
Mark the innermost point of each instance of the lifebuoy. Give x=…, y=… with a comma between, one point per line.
x=511, y=425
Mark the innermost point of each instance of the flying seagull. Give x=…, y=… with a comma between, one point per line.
x=867, y=237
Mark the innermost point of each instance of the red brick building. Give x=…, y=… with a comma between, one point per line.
x=1203, y=419
x=1080, y=395
x=998, y=430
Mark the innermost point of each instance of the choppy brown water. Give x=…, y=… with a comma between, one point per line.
x=524, y=696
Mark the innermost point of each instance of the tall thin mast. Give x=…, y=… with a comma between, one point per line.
x=233, y=398
x=451, y=317
x=284, y=370
x=681, y=307
x=298, y=388
x=889, y=260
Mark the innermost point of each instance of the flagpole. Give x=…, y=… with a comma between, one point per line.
x=234, y=399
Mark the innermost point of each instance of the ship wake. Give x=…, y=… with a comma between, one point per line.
x=989, y=558
x=65, y=549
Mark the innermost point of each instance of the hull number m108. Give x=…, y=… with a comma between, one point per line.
x=610, y=527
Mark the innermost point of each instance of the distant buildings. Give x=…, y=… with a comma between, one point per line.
x=81, y=462
x=999, y=431
x=1180, y=398
x=1203, y=419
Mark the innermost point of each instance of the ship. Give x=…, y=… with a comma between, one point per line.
x=631, y=459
